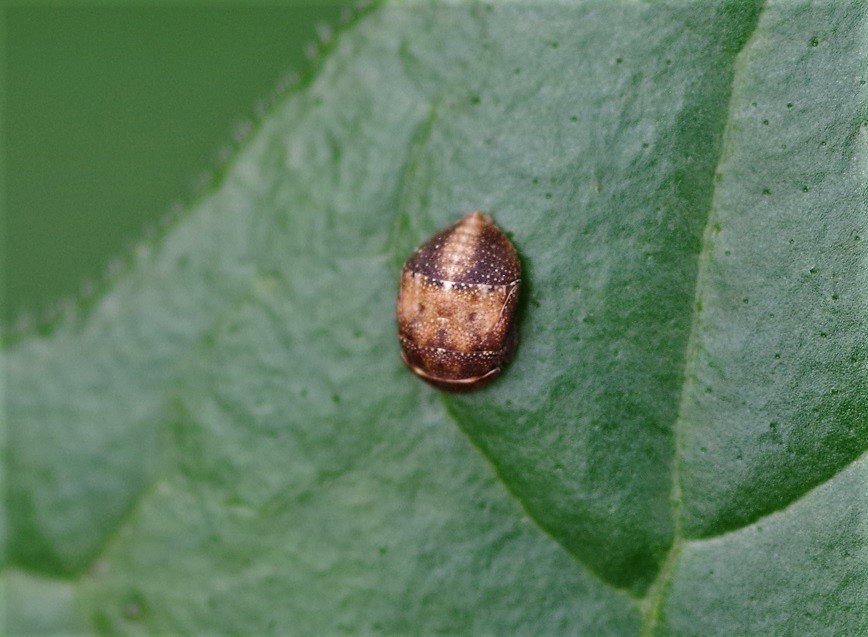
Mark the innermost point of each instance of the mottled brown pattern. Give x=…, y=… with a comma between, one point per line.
x=456, y=305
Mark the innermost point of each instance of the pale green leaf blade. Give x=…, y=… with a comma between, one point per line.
x=776, y=395
x=799, y=571
x=336, y=508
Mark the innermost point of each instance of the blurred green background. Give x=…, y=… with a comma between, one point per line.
x=111, y=114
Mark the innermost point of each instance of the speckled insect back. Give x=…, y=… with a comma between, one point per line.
x=456, y=305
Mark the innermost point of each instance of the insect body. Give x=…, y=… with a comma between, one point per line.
x=456, y=305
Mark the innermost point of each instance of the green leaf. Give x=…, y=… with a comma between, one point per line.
x=227, y=442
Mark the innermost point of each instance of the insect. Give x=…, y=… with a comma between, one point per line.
x=456, y=305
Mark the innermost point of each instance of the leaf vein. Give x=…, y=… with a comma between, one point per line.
x=657, y=591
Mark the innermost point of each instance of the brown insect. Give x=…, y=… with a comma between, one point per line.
x=456, y=305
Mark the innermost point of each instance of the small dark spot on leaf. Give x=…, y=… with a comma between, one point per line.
x=834, y=297
x=726, y=253
x=708, y=390
x=766, y=191
x=805, y=189
x=765, y=122
x=134, y=607
x=574, y=119
x=716, y=227
x=535, y=180
x=644, y=144
x=548, y=195
x=753, y=103
x=554, y=45
x=618, y=60
x=777, y=356
x=824, y=335
x=745, y=300
x=475, y=100
x=815, y=41
x=668, y=62
x=813, y=270
x=789, y=104
x=336, y=398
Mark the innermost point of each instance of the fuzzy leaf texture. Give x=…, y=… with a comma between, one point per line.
x=226, y=441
